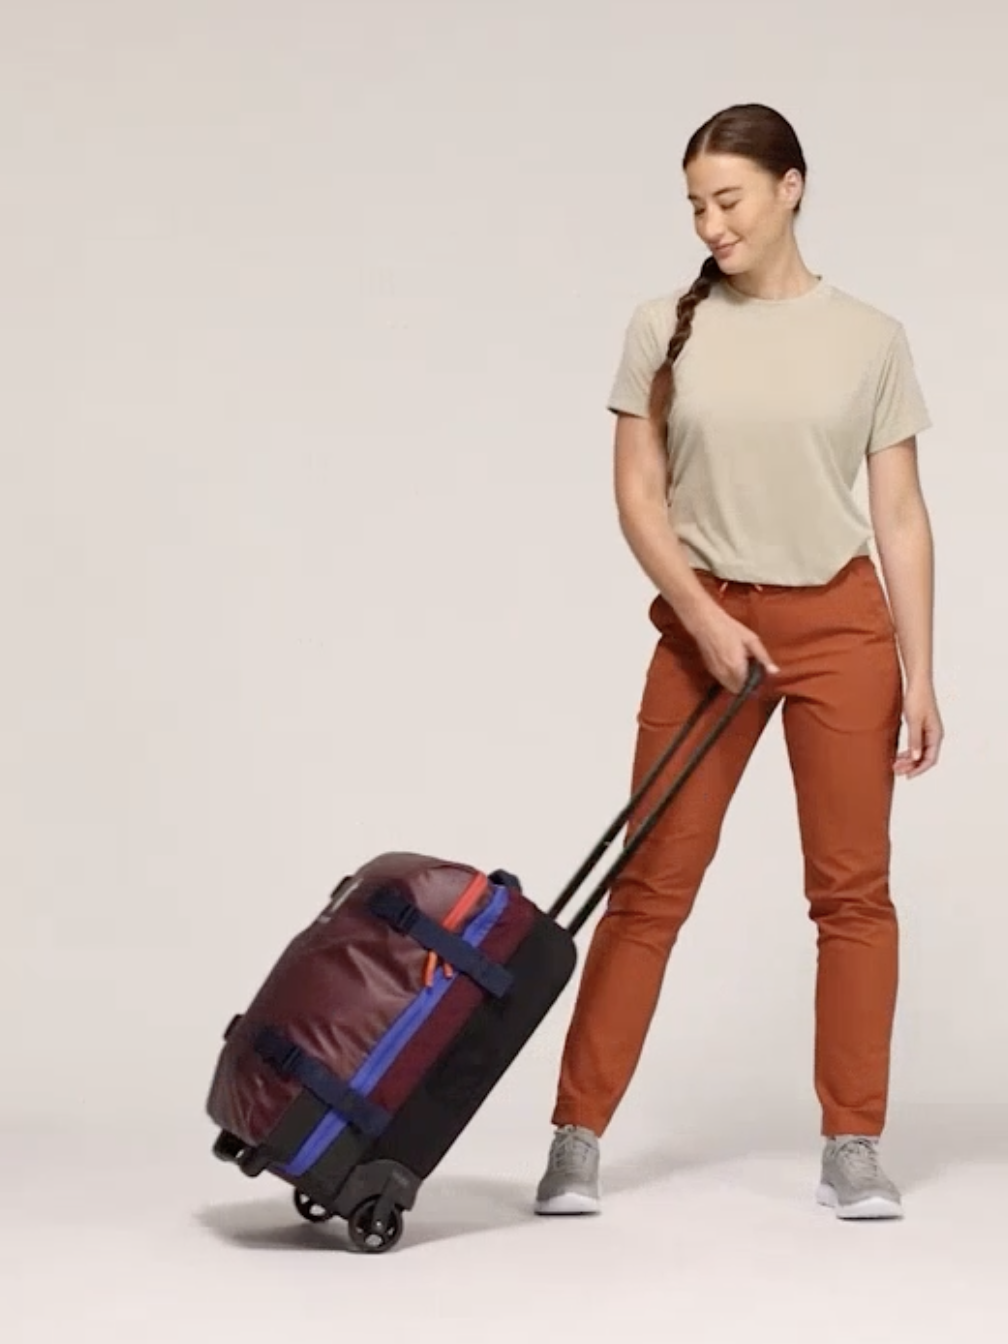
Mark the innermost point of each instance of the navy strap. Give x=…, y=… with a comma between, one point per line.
x=400, y=912
x=291, y=1061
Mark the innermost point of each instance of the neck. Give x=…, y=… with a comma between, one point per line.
x=783, y=276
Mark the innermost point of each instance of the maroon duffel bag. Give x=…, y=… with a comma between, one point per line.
x=389, y=1019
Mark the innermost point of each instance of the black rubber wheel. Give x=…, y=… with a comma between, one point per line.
x=309, y=1210
x=363, y=1233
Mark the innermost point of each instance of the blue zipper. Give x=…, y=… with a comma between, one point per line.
x=390, y=1046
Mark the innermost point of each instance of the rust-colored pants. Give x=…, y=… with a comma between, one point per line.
x=841, y=689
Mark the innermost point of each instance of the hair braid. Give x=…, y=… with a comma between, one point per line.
x=662, y=386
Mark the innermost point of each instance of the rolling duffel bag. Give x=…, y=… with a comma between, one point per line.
x=389, y=1019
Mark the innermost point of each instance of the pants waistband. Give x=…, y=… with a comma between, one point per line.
x=722, y=585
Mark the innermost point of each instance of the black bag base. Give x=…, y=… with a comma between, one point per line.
x=371, y=1183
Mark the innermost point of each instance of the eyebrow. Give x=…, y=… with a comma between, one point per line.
x=723, y=191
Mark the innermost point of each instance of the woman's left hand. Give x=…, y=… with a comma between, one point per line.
x=924, y=732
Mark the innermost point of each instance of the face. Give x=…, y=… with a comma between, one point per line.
x=742, y=213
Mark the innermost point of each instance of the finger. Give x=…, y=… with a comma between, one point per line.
x=756, y=647
x=922, y=748
x=734, y=677
x=915, y=739
x=722, y=672
x=929, y=755
x=903, y=761
x=907, y=760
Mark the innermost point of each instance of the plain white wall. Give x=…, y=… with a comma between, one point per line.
x=309, y=313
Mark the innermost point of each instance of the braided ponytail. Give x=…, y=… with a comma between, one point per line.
x=662, y=386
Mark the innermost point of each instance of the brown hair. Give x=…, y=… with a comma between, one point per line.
x=750, y=131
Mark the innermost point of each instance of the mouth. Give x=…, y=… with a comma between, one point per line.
x=725, y=250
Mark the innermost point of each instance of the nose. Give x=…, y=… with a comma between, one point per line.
x=711, y=227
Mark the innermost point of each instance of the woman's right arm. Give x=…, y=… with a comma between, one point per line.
x=640, y=482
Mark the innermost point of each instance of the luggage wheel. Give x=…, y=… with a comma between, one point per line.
x=370, y=1230
x=310, y=1209
x=373, y=1229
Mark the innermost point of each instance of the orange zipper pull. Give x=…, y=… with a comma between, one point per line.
x=457, y=913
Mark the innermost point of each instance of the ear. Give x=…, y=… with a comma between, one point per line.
x=792, y=188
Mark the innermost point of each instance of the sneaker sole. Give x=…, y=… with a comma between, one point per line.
x=874, y=1208
x=570, y=1204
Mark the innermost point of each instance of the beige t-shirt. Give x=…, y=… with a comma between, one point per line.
x=777, y=403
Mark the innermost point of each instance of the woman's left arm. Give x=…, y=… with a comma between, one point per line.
x=906, y=552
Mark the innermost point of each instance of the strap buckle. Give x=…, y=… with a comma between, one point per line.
x=393, y=907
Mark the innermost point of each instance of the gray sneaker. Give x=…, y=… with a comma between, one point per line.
x=853, y=1183
x=571, y=1182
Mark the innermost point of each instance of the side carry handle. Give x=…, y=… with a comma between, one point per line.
x=753, y=679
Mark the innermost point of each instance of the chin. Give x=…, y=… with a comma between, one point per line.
x=734, y=262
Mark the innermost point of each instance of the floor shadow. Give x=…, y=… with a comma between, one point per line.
x=636, y=1172
x=446, y=1208
x=267, y=1225
x=922, y=1143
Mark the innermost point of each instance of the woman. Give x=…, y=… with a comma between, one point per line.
x=745, y=408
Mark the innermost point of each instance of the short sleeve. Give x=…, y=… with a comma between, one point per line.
x=641, y=358
x=900, y=410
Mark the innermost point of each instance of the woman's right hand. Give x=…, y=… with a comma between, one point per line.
x=727, y=648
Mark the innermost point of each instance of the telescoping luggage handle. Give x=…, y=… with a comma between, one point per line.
x=753, y=679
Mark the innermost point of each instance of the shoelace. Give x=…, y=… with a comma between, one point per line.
x=859, y=1158
x=571, y=1150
